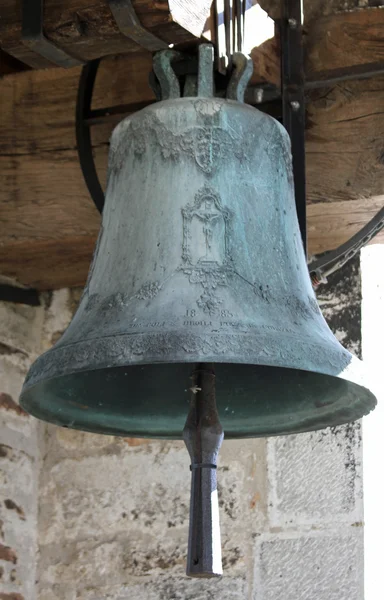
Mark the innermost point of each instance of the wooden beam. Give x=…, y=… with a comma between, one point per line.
x=344, y=142
x=315, y=9
x=346, y=41
x=330, y=224
x=335, y=44
x=86, y=29
x=9, y=64
x=38, y=107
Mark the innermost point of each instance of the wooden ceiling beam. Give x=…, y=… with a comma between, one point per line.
x=87, y=29
x=347, y=41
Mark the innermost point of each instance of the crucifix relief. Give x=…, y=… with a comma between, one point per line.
x=211, y=222
x=206, y=241
x=205, y=229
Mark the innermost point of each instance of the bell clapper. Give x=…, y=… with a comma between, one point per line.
x=203, y=436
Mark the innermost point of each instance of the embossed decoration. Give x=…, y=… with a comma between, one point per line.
x=257, y=348
x=208, y=145
x=148, y=291
x=208, y=108
x=207, y=231
x=278, y=149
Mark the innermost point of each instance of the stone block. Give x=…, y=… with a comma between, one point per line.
x=58, y=315
x=133, y=498
x=17, y=428
x=321, y=567
x=99, y=496
x=145, y=489
x=18, y=474
x=13, y=368
x=22, y=333
x=315, y=478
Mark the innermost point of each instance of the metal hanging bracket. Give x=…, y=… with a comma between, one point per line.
x=130, y=26
x=33, y=37
x=293, y=102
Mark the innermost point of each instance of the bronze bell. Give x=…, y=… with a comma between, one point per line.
x=199, y=259
x=199, y=273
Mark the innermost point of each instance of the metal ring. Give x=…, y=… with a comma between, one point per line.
x=328, y=262
x=83, y=133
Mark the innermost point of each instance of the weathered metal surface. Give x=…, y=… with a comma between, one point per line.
x=203, y=436
x=199, y=259
x=240, y=77
x=162, y=66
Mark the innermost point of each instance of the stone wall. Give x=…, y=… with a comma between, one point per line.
x=113, y=512
x=20, y=335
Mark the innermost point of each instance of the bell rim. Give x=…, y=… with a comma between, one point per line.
x=344, y=414
x=357, y=403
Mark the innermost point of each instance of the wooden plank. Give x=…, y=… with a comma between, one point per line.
x=343, y=41
x=337, y=43
x=315, y=9
x=38, y=107
x=344, y=142
x=332, y=223
x=52, y=264
x=88, y=30
x=266, y=63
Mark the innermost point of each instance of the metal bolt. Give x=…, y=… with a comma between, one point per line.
x=259, y=95
x=292, y=23
x=295, y=105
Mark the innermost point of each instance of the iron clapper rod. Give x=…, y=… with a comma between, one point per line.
x=203, y=436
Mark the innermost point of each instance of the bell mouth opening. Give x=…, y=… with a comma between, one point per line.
x=152, y=400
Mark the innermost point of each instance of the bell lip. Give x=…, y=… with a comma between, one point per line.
x=340, y=417
x=352, y=374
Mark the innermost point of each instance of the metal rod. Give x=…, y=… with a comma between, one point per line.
x=292, y=88
x=227, y=27
x=203, y=436
x=205, y=72
x=334, y=76
x=83, y=133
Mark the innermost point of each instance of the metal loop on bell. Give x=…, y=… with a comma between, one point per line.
x=162, y=66
x=205, y=86
x=154, y=85
x=240, y=77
